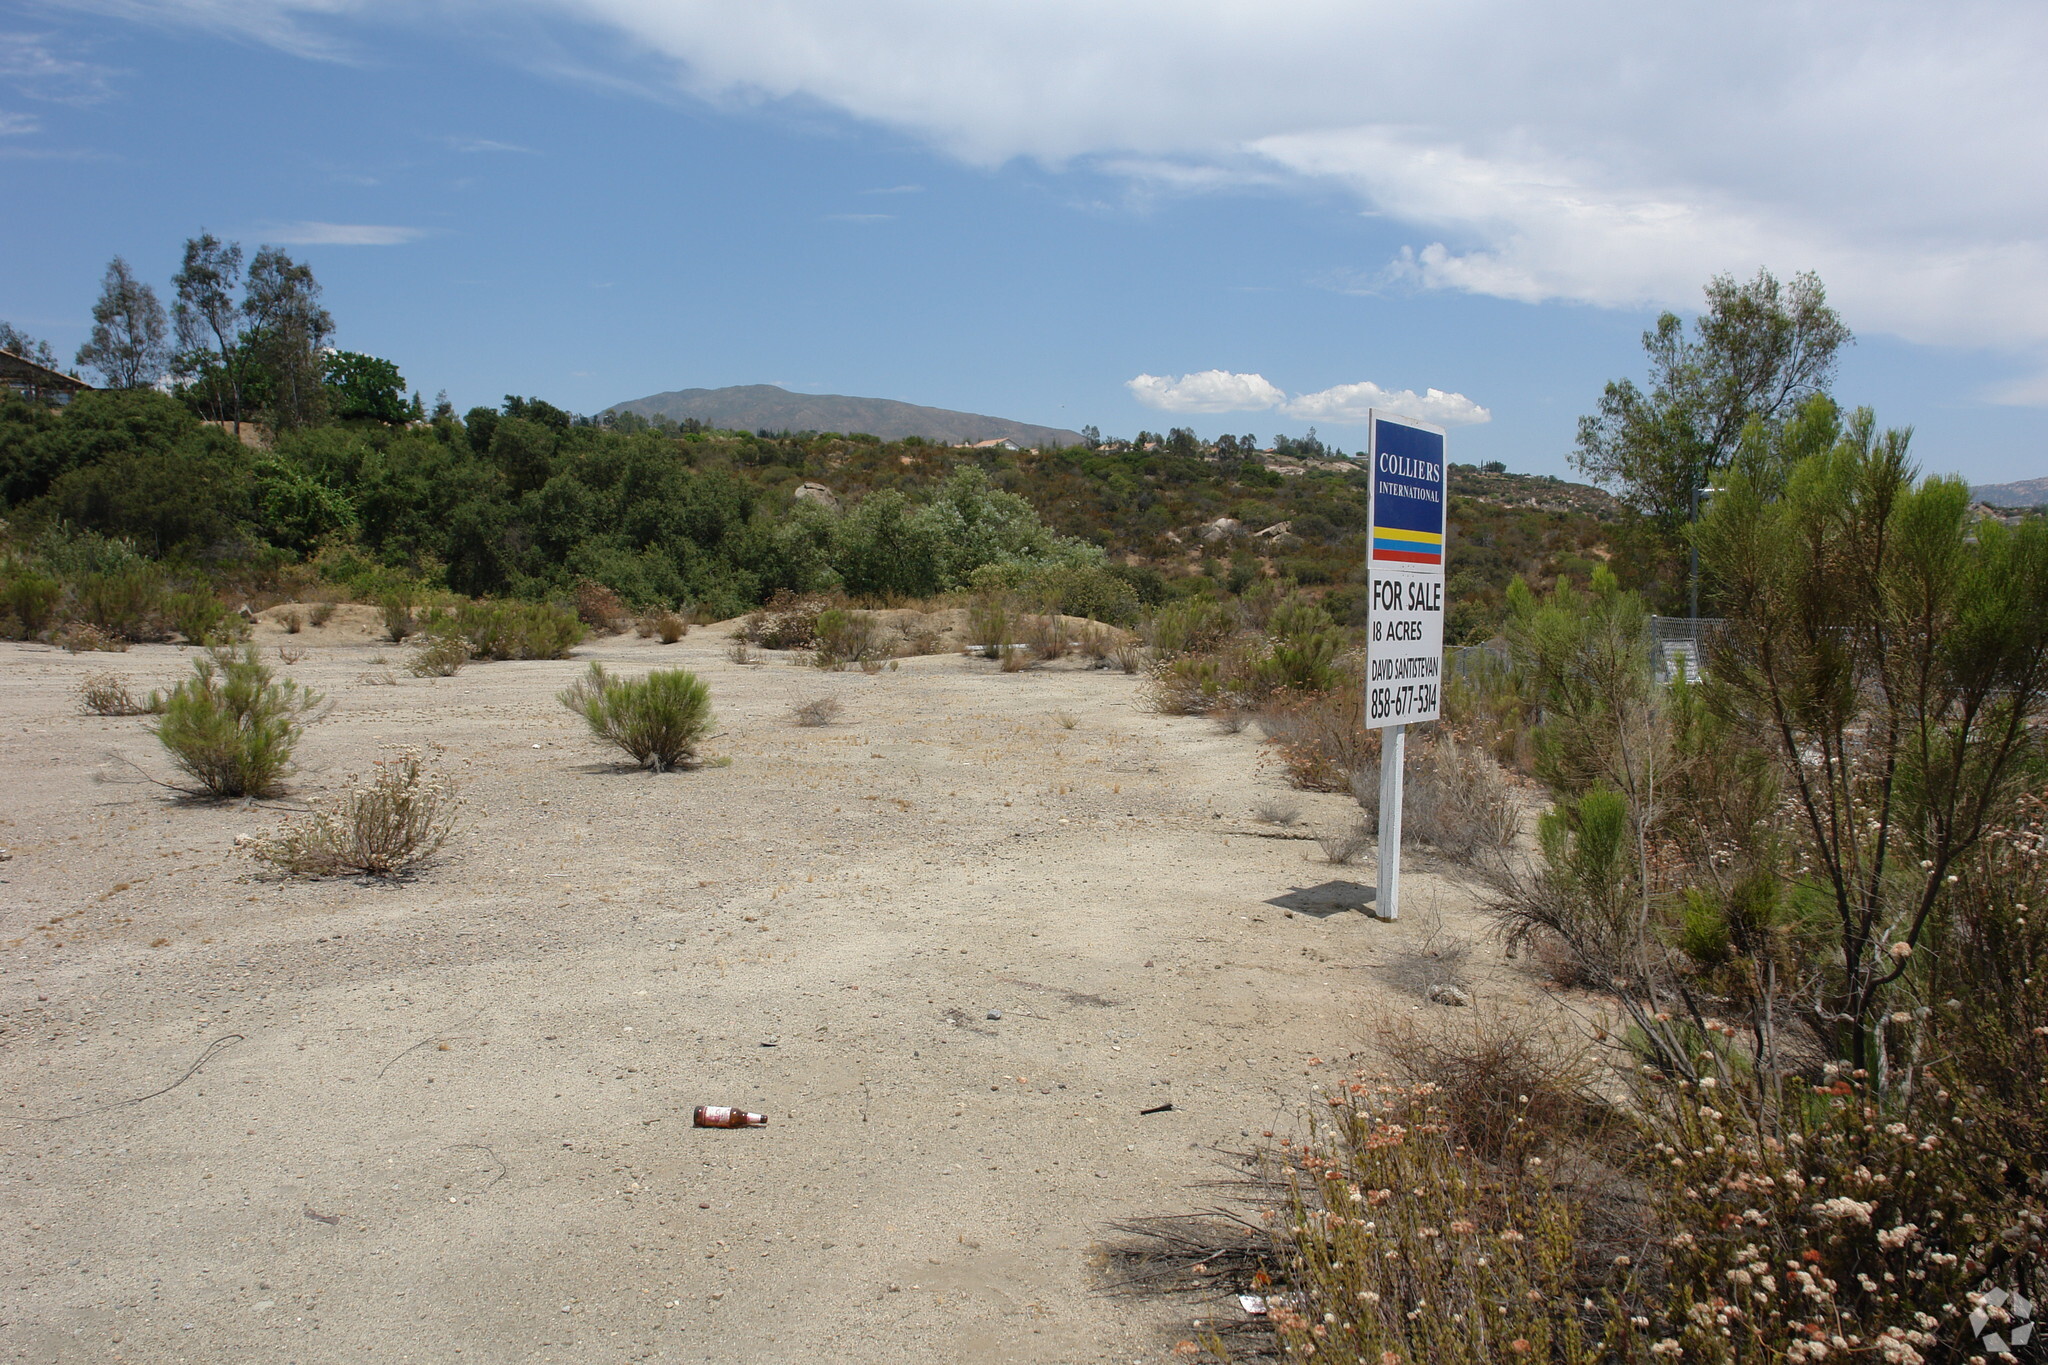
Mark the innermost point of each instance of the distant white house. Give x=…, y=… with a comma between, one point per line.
x=996, y=443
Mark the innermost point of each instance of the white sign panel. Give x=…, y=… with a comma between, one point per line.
x=1405, y=626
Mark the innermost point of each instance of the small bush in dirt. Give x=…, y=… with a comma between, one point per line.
x=1048, y=637
x=1128, y=655
x=815, y=711
x=399, y=611
x=438, y=656
x=923, y=638
x=1205, y=684
x=1457, y=800
x=669, y=627
x=598, y=607
x=290, y=654
x=643, y=627
x=319, y=614
x=509, y=630
x=200, y=618
x=386, y=827
x=81, y=637
x=1066, y=720
x=1322, y=737
x=990, y=623
x=789, y=621
x=1498, y=1075
x=740, y=652
x=232, y=726
x=293, y=621
x=844, y=636
x=1282, y=813
x=658, y=719
x=31, y=600
x=1345, y=844
x=104, y=694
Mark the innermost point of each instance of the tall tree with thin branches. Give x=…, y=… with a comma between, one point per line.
x=128, y=345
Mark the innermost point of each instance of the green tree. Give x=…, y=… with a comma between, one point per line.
x=209, y=321
x=1758, y=351
x=363, y=386
x=1892, y=652
x=128, y=341
x=287, y=329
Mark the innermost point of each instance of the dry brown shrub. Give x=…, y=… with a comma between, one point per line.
x=1321, y=737
x=1497, y=1074
x=293, y=621
x=1343, y=845
x=669, y=627
x=789, y=621
x=320, y=614
x=81, y=637
x=1128, y=655
x=104, y=694
x=387, y=827
x=815, y=711
x=740, y=652
x=1048, y=637
x=1458, y=800
x=438, y=656
x=290, y=654
x=598, y=607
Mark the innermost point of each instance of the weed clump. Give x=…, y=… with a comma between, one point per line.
x=789, y=621
x=386, y=827
x=232, y=726
x=438, y=656
x=200, y=618
x=104, y=694
x=658, y=720
x=83, y=637
x=815, y=711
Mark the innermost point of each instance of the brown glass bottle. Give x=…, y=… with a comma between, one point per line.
x=720, y=1116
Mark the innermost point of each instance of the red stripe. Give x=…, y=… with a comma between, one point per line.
x=1408, y=556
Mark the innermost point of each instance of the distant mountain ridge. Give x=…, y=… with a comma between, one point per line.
x=2025, y=493
x=766, y=407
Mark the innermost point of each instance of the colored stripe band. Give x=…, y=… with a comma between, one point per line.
x=1408, y=556
x=1417, y=537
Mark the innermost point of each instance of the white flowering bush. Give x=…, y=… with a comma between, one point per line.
x=387, y=826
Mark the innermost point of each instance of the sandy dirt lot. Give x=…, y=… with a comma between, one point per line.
x=449, y=1119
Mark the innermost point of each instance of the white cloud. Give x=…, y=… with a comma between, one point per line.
x=1214, y=391
x=1594, y=151
x=15, y=125
x=1208, y=391
x=485, y=144
x=1350, y=402
x=341, y=234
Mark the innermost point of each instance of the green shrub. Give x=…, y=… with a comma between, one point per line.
x=509, y=630
x=438, y=656
x=30, y=598
x=1088, y=590
x=398, y=611
x=201, y=618
x=990, y=622
x=127, y=602
x=1188, y=627
x=845, y=636
x=658, y=719
x=232, y=726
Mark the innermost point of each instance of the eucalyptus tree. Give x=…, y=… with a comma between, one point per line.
x=129, y=340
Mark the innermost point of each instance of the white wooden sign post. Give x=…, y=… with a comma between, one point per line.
x=1405, y=626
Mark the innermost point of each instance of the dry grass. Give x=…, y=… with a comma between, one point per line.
x=82, y=637
x=815, y=711
x=1458, y=801
x=742, y=652
x=1322, y=737
x=290, y=654
x=1066, y=720
x=104, y=694
x=666, y=627
x=438, y=656
x=1049, y=637
x=319, y=614
x=1282, y=813
x=1128, y=655
x=1345, y=844
x=391, y=825
x=789, y=621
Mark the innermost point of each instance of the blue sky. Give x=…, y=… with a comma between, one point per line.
x=1059, y=211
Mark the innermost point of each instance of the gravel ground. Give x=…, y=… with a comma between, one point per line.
x=449, y=1119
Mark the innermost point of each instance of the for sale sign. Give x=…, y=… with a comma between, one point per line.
x=1405, y=640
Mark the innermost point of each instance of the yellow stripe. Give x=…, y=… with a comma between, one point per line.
x=1419, y=537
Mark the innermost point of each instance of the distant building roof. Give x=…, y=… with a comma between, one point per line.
x=996, y=443
x=31, y=380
